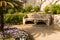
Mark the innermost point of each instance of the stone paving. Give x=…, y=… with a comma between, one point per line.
x=41, y=32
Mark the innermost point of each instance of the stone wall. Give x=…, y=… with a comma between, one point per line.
x=56, y=20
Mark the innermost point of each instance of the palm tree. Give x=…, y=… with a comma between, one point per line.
x=3, y=4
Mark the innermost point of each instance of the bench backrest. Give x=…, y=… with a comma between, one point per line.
x=42, y=16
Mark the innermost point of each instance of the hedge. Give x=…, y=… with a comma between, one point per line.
x=36, y=8
x=46, y=9
x=54, y=8
x=27, y=9
x=13, y=18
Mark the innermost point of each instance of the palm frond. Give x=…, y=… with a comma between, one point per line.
x=15, y=4
x=10, y=4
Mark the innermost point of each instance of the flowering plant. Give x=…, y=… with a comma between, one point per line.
x=15, y=33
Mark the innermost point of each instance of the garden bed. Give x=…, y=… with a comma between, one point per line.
x=14, y=34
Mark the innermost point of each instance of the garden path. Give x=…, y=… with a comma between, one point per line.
x=41, y=32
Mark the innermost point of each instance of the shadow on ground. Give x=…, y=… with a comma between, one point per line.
x=41, y=30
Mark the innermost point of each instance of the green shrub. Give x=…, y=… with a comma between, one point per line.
x=10, y=11
x=36, y=8
x=13, y=18
x=23, y=10
x=58, y=11
x=27, y=8
x=55, y=8
x=58, y=8
x=46, y=9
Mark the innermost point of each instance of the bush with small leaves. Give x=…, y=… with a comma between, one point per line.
x=55, y=8
x=13, y=18
x=36, y=8
x=58, y=8
x=10, y=11
x=58, y=11
x=23, y=10
x=46, y=9
x=27, y=8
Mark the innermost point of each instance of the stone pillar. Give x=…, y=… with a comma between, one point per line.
x=34, y=21
x=24, y=20
x=56, y=19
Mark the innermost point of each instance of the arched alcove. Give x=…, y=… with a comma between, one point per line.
x=41, y=22
x=29, y=22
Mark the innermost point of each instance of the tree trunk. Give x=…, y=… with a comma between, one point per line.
x=1, y=19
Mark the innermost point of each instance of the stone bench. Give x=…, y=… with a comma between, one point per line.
x=37, y=17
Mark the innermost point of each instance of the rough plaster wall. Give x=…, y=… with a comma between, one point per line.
x=31, y=2
x=37, y=2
